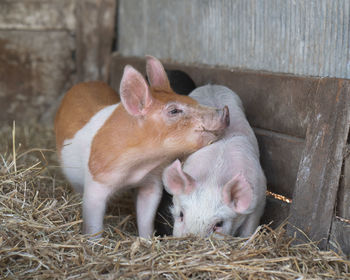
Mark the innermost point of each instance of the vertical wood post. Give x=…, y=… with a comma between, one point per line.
x=95, y=33
x=319, y=172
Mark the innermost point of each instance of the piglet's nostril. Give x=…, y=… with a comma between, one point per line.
x=225, y=116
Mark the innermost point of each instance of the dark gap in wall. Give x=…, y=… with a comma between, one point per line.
x=74, y=55
x=116, y=24
x=276, y=212
x=340, y=193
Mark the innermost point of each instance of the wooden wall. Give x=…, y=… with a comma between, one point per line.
x=45, y=47
x=303, y=37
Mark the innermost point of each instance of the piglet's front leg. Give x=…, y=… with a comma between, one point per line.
x=94, y=205
x=148, y=198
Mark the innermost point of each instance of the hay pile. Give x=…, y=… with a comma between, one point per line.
x=40, y=233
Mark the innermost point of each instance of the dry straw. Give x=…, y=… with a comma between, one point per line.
x=40, y=233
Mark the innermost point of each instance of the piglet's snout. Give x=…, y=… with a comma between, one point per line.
x=215, y=122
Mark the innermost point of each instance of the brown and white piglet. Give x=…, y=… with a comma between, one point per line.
x=106, y=144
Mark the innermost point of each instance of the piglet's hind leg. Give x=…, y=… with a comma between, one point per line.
x=94, y=205
x=148, y=199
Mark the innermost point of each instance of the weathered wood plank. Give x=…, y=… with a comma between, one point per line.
x=33, y=76
x=343, y=200
x=37, y=14
x=285, y=99
x=304, y=37
x=340, y=236
x=280, y=155
x=320, y=167
x=45, y=45
x=94, y=38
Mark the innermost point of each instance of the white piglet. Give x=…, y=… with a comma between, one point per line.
x=221, y=187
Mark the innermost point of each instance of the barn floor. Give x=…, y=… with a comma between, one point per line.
x=40, y=232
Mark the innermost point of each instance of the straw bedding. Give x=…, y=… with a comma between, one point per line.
x=41, y=220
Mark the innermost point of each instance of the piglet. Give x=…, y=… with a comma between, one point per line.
x=221, y=187
x=106, y=144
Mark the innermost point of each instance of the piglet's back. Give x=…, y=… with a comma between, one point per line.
x=79, y=105
x=219, y=96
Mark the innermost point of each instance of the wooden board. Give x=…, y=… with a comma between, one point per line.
x=95, y=34
x=340, y=237
x=304, y=37
x=317, y=185
x=279, y=155
x=37, y=15
x=46, y=46
x=32, y=76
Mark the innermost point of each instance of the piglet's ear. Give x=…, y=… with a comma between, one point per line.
x=238, y=194
x=176, y=181
x=156, y=74
x=134, y=92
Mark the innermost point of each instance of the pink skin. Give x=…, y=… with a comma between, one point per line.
x=221, y=187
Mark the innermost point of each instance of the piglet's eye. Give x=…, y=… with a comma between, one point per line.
x=218, y=225
x=175, y=111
